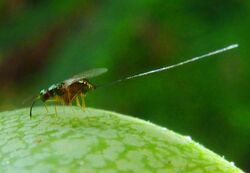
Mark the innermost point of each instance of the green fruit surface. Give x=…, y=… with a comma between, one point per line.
x=73, y=141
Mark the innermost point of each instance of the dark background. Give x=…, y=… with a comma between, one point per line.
x=44, y=42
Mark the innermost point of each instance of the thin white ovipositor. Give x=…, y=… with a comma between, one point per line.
x=174, y=65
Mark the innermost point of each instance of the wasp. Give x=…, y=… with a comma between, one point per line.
x=69, y=90
x=77, y=86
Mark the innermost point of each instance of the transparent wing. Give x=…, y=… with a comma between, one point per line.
x=85, y=75
x=91, y=73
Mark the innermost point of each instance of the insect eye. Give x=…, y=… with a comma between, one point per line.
x=46, y=95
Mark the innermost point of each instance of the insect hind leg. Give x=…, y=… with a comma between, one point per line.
x=78, y=103
x=83, y=106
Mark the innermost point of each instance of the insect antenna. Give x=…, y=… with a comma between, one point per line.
x=33, y=103
x=171, y=66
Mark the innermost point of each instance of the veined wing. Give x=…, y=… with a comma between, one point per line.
x=85, y=75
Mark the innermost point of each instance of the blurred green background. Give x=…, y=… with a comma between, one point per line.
x=44, y=42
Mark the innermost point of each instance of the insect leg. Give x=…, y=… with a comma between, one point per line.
x=69, y=103
x=45, y=105
x=78, y=102
x=56, y=101
x=83, y=102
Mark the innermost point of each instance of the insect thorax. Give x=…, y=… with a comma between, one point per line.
x=52, y=91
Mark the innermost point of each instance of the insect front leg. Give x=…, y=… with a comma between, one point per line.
x=45, y=105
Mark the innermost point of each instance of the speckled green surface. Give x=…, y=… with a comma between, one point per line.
x=97, y=141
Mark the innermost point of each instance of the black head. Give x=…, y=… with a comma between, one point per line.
x=44, y=95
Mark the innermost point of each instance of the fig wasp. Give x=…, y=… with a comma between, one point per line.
x=71, y=89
